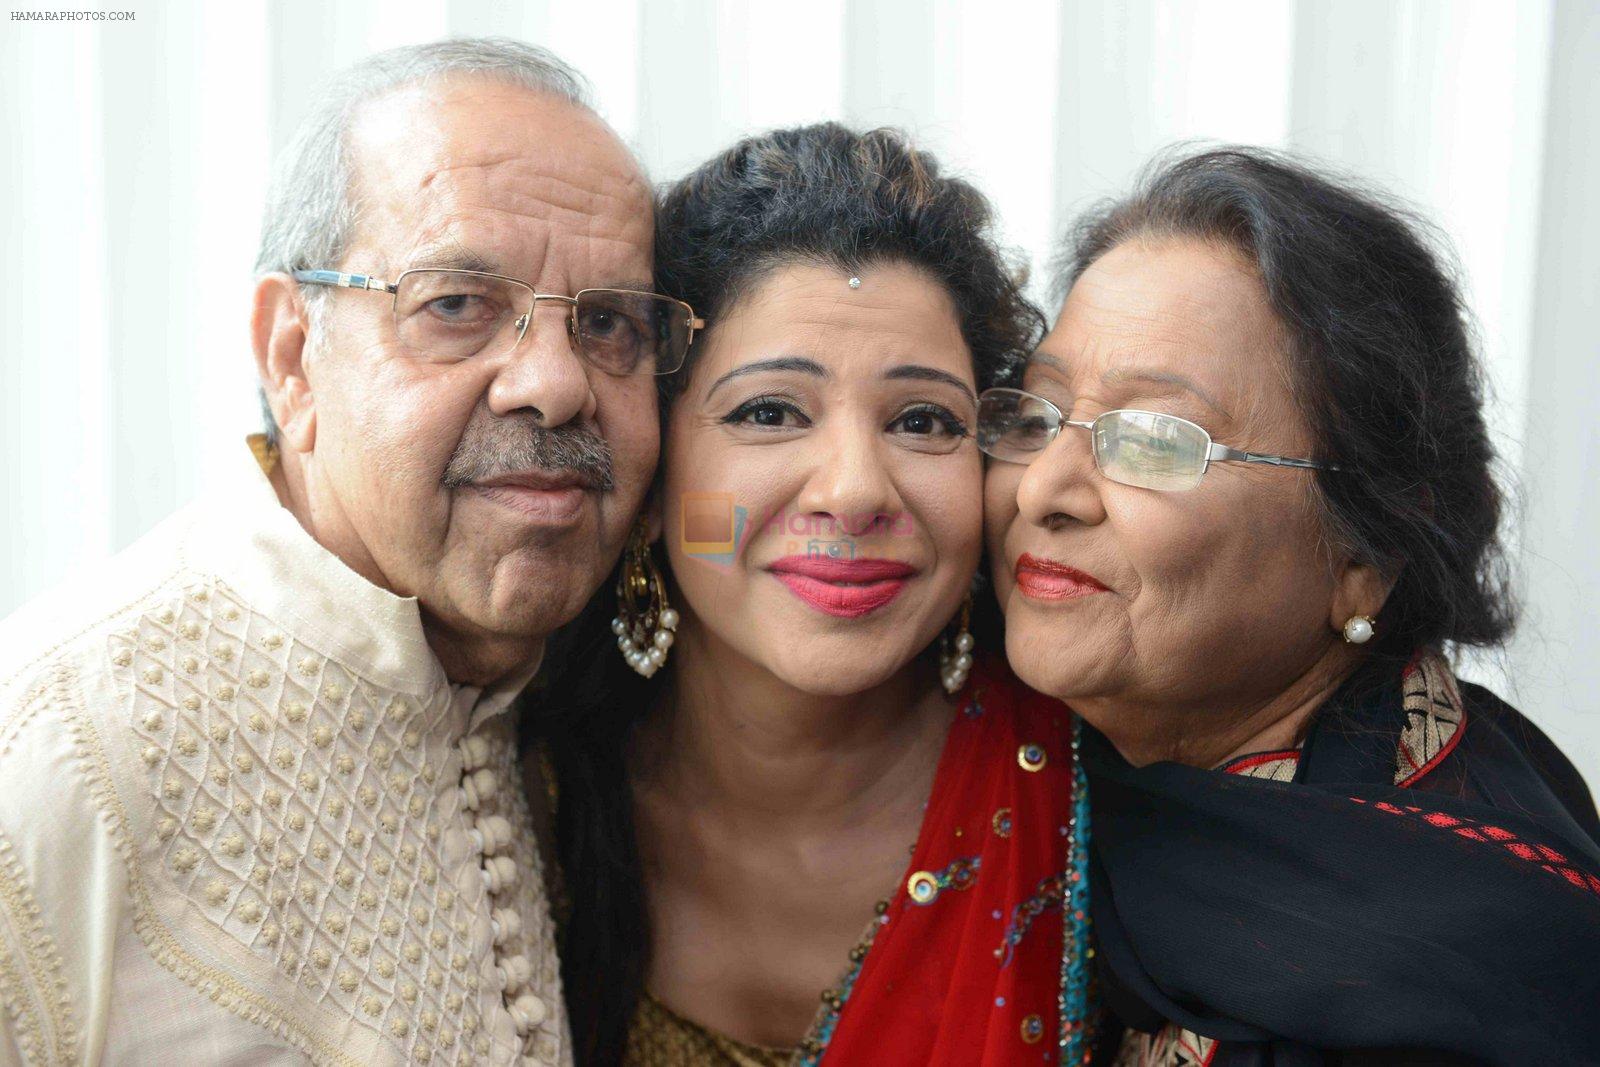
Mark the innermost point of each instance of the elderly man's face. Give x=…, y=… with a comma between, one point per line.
x=401, y=452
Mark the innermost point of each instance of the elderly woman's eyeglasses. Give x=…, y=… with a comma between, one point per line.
x=445, y=316
x=1140, y=448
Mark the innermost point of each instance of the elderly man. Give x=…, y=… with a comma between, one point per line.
x=259, y=796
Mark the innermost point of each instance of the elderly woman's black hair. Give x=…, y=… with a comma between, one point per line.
x=1382, y=363
x=821, y=194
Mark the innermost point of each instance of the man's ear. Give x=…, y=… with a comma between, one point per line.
x=278, y=333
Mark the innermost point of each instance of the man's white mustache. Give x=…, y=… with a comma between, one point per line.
x=507, y=450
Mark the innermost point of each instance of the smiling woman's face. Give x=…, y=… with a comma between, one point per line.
x=1217, y=597
x=838, y=420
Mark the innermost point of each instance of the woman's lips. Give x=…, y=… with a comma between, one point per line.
x=1045, y=579
x=845, y=588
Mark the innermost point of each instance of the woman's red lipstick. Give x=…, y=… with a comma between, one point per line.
x=846, y=588
x=1045, y=579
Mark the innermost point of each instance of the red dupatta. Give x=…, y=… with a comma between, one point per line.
x=965, y=967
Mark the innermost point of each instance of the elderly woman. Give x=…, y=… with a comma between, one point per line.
x=796, y=820
x=1244, y=506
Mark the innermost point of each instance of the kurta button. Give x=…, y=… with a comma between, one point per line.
x=527, y=1012
x=478, y=787
x=508, y=870
x=507, y=925
x=518, y=972
x=486, y=783
x=499, y=873
x=474, y=752
x=495, y=832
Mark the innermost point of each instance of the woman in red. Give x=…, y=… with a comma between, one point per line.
x=796, y=822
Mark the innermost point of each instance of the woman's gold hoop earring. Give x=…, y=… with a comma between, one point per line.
x=955, y=653
x=644, y=624
x=1358, y=629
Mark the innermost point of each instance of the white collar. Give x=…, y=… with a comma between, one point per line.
x=248, y=539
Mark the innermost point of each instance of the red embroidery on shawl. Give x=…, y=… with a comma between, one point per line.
x=1498, y=835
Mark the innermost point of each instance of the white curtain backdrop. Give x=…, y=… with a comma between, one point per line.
x=135, y=156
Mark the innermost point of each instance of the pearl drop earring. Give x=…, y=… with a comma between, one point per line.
x=645, y=625
x=1358, y=629
x=955, y=657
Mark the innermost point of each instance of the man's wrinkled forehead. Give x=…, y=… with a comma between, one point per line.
x=524, y=181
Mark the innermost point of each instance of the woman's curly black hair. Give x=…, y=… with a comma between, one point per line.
x=826, y=194
x=1383, y=366
x=813, y=194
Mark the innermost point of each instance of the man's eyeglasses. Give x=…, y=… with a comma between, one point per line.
x=1146, y=449
x=445, y=316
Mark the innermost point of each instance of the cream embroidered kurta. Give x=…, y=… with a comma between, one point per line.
x=246, y=819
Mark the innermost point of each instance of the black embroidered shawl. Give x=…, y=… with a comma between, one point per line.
x=1345, y=918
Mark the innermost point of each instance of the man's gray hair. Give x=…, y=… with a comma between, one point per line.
x=312, y=210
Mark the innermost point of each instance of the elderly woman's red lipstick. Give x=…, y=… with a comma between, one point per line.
x=1045, y=579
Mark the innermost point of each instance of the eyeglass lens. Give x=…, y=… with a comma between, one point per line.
x=448, y=316
x=1139, y=448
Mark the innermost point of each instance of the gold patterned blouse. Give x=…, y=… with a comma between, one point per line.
x=660, y=1037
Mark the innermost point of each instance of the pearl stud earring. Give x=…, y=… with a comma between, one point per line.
x=1358, y=630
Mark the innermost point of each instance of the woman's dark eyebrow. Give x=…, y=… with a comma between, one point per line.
x=794, y=363
x=1120, y=375
x=917, y=372
x=1123, y=375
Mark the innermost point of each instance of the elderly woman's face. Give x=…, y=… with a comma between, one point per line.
x=822, y=487
x=1218, y=596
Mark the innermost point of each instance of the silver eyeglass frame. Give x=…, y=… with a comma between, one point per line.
x=1215, y=453
x=370, y=283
